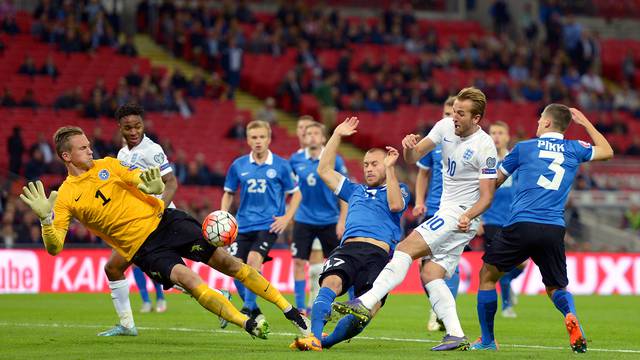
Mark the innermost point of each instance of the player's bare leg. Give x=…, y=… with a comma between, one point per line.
x=222, y=261
x=114, y=269
x=214, y=301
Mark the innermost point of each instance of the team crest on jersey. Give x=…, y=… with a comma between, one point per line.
x=584, y=144
x=159, y=158
x=403, y=191
x=491, y=162
x=468, y=154
x=271, y=173
x=103, y=174
x=134, y=158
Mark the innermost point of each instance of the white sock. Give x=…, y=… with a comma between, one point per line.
x=120, y=297
x=390, y=277
x=314, y=282
x=444, y=305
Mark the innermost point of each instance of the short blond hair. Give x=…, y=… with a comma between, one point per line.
x=449, y=101
x=257, y=124
x=501, y=124
x=306, y=118
x=477, y=97
x=320, y=126
x=62, y=136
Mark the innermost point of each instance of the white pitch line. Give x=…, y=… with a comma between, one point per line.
x=287, y=334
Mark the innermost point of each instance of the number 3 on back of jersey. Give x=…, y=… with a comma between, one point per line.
x=555, y=166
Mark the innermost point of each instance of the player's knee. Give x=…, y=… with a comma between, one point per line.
x=414, y=245
x=298, y=265
x=185, y=277
x=552, y=289
x=489, y=275
x=255, y=260
x=333, y=282
x=114, y=271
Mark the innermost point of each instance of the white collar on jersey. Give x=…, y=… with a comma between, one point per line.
x=269, y=160
x=553, y=134
x=307, y=154
x=144, y=138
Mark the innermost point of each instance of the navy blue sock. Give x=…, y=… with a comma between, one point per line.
x=141, y=282
x=241, y=289
x=505, y=290
x=299, y=288
x=345, y=329
x=487, y=307
x=454, y=283
x=563, y=300
x=321, y=310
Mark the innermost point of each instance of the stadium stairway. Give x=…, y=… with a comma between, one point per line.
x=244, y=101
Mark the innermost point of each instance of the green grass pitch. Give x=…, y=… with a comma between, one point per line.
x=64, y=326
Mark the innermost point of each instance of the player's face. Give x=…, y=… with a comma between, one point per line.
x=447, y=111
x=374, y=171
x=80, y=154
x=465, y=122
x=314, y=138
x=500, y=136
x=300, y=131
x=259, y=140
x=132, y=129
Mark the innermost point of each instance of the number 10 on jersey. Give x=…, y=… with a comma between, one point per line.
x=451, y=167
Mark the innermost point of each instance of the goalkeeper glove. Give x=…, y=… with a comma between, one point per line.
x=151, y=181
x=34, y=196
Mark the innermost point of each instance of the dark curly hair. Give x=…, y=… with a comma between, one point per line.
x=127, y=109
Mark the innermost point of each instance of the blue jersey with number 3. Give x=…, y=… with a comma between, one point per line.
x=546, y=168
x=262, y=190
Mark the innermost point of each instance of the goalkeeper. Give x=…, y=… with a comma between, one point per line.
x=112, y=200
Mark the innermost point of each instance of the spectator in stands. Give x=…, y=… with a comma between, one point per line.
x=128, y=48
x=28, y=67
x=29, y=100
x=100, y=87
x=629, y=66
x=529, y=23
x=232, y=65
x=634, y=148
x=71, y=41
x=70, y=99
x=180, y=166
x=35, y=167
x=626, y=98
x=133, y=78
x=306, y=57
x=518, y=72
x=213, y=45
x=15, y=148
x=122, y=95
x=7, y=99
x=291, y=87
x=196, y=175
x=267, y=112
x=97, y=107
x=180, y=105
x=218, y=174
x=591, y=81
x=43, y=145
x=586, y=51
x=179, y=80
x=372, y=101
x=618, y=125
x=98, y=144
x=259, y=41
x=49, y=68
x=197, y=87
x=356, y=102
x=238, y=129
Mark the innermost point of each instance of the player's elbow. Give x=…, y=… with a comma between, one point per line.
x=396, y=206
x=608, y=154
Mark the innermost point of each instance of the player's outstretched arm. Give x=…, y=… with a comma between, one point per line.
x=413, y=148
x=394, y=195
x=487, y=189
x=227, y=200
x=170, y=188
x=151, y=181
x=280, y=222
x=602, y=149
x=34, y=196
x=422, y=181
x=327, y=164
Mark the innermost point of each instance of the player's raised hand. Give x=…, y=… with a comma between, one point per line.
x=578, y=117
x=392, y=157
x=410, y=141
x=279, y=224
x=347, y=127
x=34, y=196
x=419, y=210
x=464, y=223
x=151, y=181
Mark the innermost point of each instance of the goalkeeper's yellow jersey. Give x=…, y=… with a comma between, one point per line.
x=106, y=200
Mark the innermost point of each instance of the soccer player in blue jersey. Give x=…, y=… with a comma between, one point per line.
x=372, y=231
x=547, y=166
x=264, y=180
x=430, y=174
x=497, y=215
x=469, y=178
x=321, y=214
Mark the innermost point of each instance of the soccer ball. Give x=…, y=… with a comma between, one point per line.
x=220, y=228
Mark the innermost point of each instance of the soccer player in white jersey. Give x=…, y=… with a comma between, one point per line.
x=140, y=152
x=469, y=179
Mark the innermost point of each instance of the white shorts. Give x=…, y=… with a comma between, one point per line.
x=316, y=244
x=444, y=239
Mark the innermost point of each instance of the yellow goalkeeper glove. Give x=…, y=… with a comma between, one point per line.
x=151, y=181
x=34, y=196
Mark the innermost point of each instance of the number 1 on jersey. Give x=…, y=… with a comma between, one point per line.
x=100, y=195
